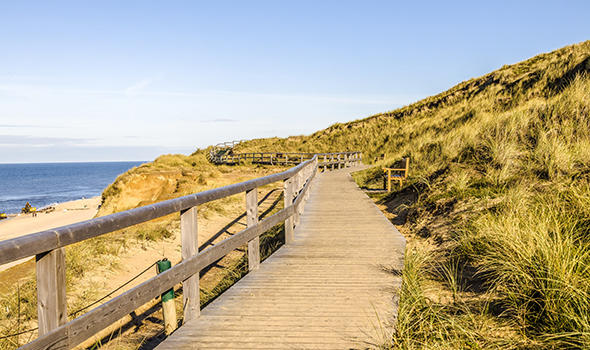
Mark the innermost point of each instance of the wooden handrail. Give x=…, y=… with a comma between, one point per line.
x=36, y=243
x=83, y=327
x=55, y=333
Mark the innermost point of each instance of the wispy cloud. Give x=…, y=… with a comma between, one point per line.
x=30, y=126
x=15, y=126
x=219, y=120
x=139, y=90
x=136, y=88
x=39, y=141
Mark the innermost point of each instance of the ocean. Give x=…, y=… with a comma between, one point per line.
x=43, y=184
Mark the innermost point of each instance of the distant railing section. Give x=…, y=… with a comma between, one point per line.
x=221, y=149
x=333, y=160
x=57, y=332
x=223, y=153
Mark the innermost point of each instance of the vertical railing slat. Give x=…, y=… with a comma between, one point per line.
x=252, y=219
x=51, y=290
x=288, y=201
x=190, y=246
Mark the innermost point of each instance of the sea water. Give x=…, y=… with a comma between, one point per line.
x=43, y=184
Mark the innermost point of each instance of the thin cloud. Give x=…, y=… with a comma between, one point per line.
x=16, y=126
x=29, y=126
x=37, y=141
x=219, y=120
x=137, y=87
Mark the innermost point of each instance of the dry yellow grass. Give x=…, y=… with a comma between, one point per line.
x=498, y=197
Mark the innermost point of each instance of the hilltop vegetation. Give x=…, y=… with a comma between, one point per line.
x=497, y=207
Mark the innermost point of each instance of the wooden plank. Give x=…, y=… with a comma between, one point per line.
x=252, y=220
x=51, y=290
x=190, y=247
x=288, y=202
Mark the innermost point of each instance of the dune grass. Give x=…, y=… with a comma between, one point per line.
x=500, y=209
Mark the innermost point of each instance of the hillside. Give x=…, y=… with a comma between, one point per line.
x=496, y=208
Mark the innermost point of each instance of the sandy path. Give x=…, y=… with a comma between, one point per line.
x=65, y=214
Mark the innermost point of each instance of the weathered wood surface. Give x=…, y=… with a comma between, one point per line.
x=331, y=288
x=252, y=220
x=51, y=290
x=190, y=247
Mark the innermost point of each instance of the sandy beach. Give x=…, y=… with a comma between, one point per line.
x=65, y=213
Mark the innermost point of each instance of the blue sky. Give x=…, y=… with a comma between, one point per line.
x=113, y=80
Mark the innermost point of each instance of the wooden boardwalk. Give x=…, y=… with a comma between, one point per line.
x=333, y=288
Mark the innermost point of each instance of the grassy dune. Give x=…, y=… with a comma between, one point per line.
x=497, y=207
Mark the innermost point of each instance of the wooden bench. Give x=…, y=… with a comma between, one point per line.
x=400, y=174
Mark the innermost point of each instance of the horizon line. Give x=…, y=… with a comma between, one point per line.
x=76, y=161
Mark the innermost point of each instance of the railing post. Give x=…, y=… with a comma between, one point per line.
x=305, y=177
x=190, y=246
x=388, y=180
x=252, y=219
x=332, y=160
x=298, y=185
x=288, y=201
x=168, y=307
x=308, y=177
x=339, y=164
x=51, y=290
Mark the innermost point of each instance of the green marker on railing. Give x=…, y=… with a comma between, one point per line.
x=168, y=307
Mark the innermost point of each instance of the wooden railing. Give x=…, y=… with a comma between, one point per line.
x=221, y=149
x=222, y=153
x=333, y=160
x=56, y=332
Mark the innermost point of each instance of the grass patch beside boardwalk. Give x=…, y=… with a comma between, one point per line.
x=496, y=208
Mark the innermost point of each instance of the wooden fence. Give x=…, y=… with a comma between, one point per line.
x=325, y=160
x=56, y=332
